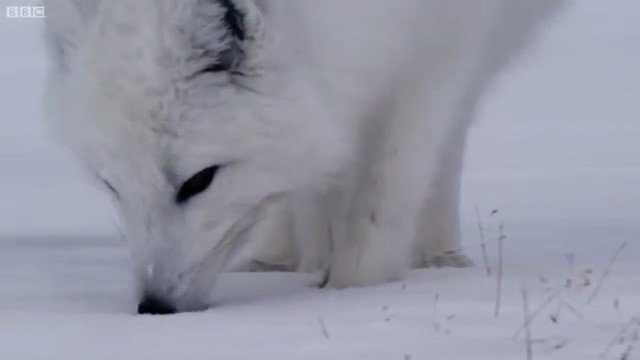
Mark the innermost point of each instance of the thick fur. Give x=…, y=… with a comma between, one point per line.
x=360, y=108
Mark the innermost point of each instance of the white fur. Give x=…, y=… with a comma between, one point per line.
x=358, y=107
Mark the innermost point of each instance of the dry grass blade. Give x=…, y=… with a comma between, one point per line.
x=325, y=333
x=621, y=335
x=527, y=328
x=501, y=237
x=571, y=308
x=632, y=344
x=606, y=272
x=483, y=243
x=537, y=312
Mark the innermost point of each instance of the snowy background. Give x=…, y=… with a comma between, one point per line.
x=556, y=151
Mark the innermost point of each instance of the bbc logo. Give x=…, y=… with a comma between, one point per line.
x=25, y=12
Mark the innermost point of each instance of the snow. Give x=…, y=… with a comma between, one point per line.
x=70, y=300
x=555, y=151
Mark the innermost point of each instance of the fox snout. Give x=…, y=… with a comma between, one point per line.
x=153, y=305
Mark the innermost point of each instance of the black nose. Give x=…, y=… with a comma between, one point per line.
x=155, y=306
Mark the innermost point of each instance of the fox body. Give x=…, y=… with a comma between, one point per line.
x=199, y=116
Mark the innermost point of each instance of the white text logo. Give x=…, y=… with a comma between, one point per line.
x=25, y=12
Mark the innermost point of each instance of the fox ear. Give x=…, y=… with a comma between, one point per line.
x=223, y=32
x=66, y=21
x=240, y=19
x=234, y=18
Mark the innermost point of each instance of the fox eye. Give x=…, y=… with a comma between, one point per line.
x=225, y=61
x=215, y=68
x=196, y=184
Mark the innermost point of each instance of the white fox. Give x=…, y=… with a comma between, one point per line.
x=200, y=115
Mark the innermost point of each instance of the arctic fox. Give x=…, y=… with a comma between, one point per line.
x=200, y=115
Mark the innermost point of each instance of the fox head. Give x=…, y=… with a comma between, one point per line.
x=194, y=115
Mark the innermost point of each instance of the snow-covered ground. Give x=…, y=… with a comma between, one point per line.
x=556, y=152
x=66, y=299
